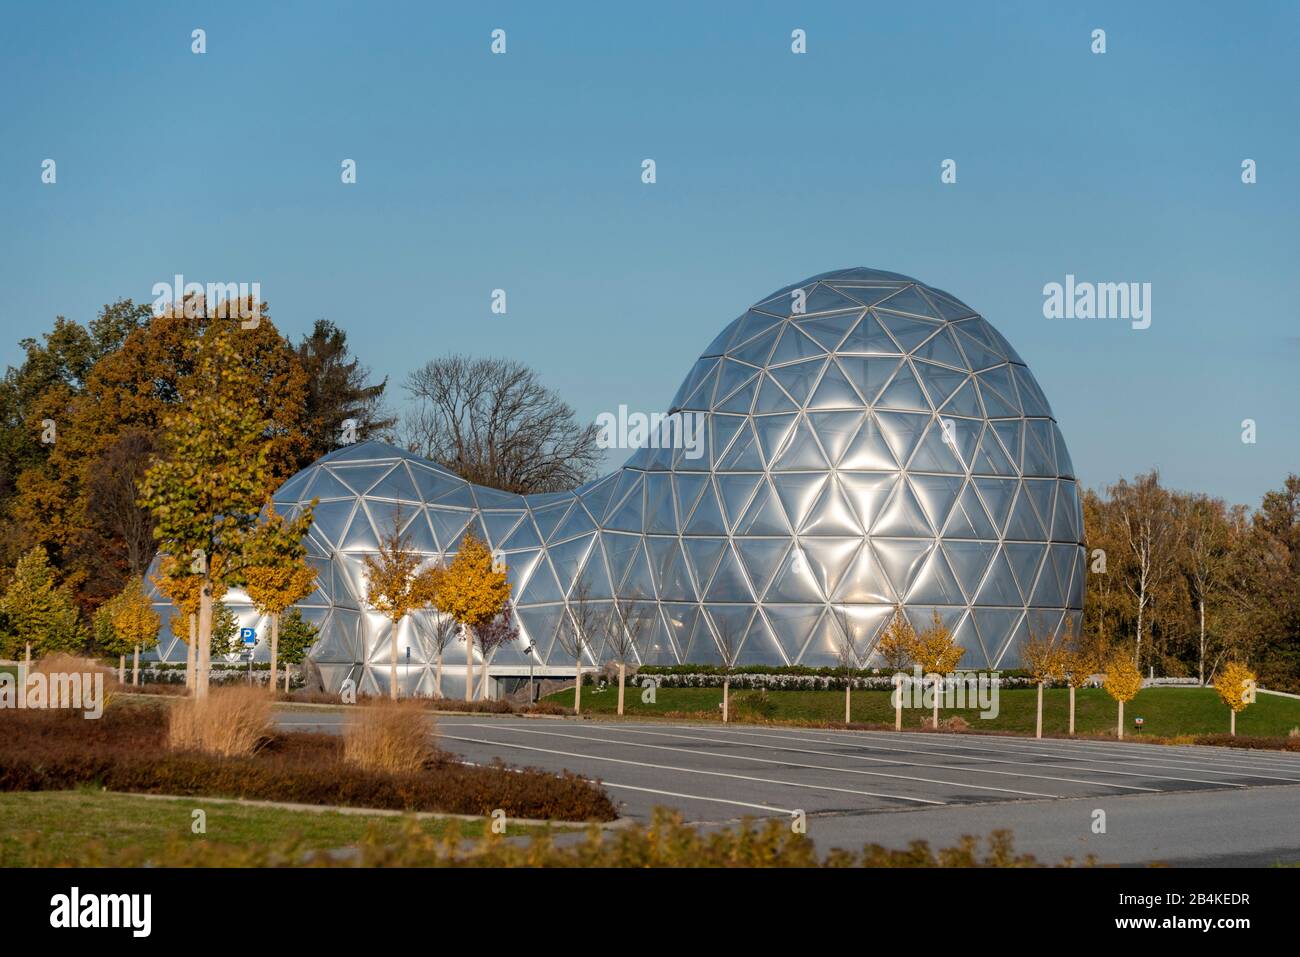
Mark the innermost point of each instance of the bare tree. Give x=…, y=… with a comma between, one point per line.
x=579, y=630
x=493, y=423
x=846, y=656
x=730, y=637
x=441, y=635
x=1149, y=527
x=1207, y=541
x=626, y=638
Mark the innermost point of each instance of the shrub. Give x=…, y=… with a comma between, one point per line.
x=230, y=721
x=754, y=706
x=391, y=737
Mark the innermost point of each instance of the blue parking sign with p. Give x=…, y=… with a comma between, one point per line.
x=248, y=636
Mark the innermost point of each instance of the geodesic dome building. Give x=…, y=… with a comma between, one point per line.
x=867, y=442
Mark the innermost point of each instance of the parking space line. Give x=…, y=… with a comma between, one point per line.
x=700, y=797
x=1044, y=764
x=947, y=767
x=788, y=764
x=718, y=774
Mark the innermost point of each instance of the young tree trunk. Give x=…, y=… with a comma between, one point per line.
x=469, y=665
x=938, y=686
x=1120, y=726
x=29, y=656
x=191, y=652
x=848, y=703
x=286, y=679
x=483, y=679
x=577, y=686
x=622, y=675
x=1201, y=664
x=898, y=707
x=726, y=688
x=1232, y=723
x=437, y=676
x=121, y=669
x=1071, y=710
x=392, y=662
x=1038, y=725
x=204, y=652
x=275, y=648
x=135, y=668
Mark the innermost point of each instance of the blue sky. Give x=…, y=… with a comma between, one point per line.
x=522, y=172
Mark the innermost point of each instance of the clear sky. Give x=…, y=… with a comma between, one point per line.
x=523, y=172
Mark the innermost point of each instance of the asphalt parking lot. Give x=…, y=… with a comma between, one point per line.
x=1181, y=805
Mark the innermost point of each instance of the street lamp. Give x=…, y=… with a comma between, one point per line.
x=529, y=652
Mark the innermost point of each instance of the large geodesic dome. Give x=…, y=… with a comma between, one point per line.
x=869, y=442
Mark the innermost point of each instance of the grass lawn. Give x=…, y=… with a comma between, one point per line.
x=47, y=827
x=1166, y=711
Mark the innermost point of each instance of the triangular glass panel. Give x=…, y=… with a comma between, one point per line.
x=793, y=626
x=742, y=400
x=910, y=300
x=835, y=430
x=359, y=478
x=728, y=582
x=941, y=348
x=940, y=383
x=567, y=558
x=903, y=431
x=1064, y=466
x=772, y=432
x=902, y=516
x=639, y=582
x=794, y=346
x=868, y=493
x=936, y=584
x=867, y=295
x=969, y=560
x=1039, y=448
x=659, y=513
x=771, y=398
x=864, y=580
x=794, y=580
x=723, y=429
x=978, y=355
x=968, y=519
x=1010, y=433
x=965, y=401
x=764, y=515
x=797, y=380
x=1031, y=396
x=396, y=484
x=707, y=518
x=869, y=375
x=999, y=587
x=828, y=558
x=761, y=556
x=692, y=381
x=829, y=331
x=937, y=495
x=524, y=536
x=627, y=516
x=703, y=554
x=999, y=394
x=901, y=559
x=904, y=392
x=1025, y=524
x=991, y=459
x=802, y=452
x=549, y=517
x=869, y=338
x=997, y=495
x=868, y=449
x=492, y=498
x=798, y=492
x=834, y=391
x=1065, y=524
x=907, y=332
x=541, y=585
x=997, y=629
x=936, y=452
x=736, y=490
x=831, y=515
x=577, y=522
x=330, y=519
x=744, y=452
x=1025, y=557
x=448, y=525
x=756, y=351
x=688, y=487
x=1040, y=493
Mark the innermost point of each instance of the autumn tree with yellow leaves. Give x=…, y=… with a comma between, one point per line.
x=1235, y=684
x=896, y=645
x=1044, y=659
x=1123, y=682
x=182, y=590
x=937, y=652
x=135, y=622
x=1081, y=659
x=396, y=585
x=473, y=591
x=278, y=574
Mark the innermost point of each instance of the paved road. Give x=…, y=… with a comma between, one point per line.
x=1177, y=805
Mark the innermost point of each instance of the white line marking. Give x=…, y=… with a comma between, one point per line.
x=718, y=774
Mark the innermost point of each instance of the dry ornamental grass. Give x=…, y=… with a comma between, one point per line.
x=231, y=722
x=393, y=738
